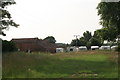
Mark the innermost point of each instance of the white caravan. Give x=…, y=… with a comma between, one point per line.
x=104, y=48
x=113, y=47
x=59, y=50
x=72, y=49
x=94, y=47
x=82, y=48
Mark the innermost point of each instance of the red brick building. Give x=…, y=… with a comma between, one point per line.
x=34, y=44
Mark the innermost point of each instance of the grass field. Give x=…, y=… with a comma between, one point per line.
x=84, y=64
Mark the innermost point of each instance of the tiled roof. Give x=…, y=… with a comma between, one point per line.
x=26, y=39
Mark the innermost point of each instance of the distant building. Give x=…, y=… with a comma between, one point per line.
x=34, y=44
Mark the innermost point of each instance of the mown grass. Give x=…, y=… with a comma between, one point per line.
x=84, y=64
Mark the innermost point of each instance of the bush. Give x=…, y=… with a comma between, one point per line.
x=118, y=48
x=8, y=46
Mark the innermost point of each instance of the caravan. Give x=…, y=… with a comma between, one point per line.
x=104, y=48
x=72, y=49
x=82, y=48
x=94, y=47
x=59, y=50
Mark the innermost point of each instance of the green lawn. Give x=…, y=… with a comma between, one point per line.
x=84, y=64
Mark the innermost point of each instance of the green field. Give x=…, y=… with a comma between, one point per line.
x=84, y=64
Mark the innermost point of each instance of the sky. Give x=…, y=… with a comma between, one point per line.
x=59, y=18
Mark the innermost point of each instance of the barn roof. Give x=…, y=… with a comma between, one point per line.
x=17, y=39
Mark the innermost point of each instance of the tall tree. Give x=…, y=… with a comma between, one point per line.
x=82, y=41
x=87, y=35
x=76, y=42
x=50, y=39
x=6, y=19
x=110, y=16
x=107, y=34
x=97, y=38
x=109, y=13
x=95, y=42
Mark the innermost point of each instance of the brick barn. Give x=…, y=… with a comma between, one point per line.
x=34, y=44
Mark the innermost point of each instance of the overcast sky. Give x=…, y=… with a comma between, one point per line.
x=59, y=18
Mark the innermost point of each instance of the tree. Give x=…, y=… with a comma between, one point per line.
x=97, y=39
x=97, y=35
x=88, y=45
x=95, y=42
x=50, y=39
x=109, y=13
x=8, y=46
x=87, y=35
x=107, y=34
x=6, y=19
x=75, y=42
x=110, y=16
x=82, y=41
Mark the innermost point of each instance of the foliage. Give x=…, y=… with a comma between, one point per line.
x=83, y=64
x=50, y=39
x=6, y=19
x=97, y=35
x=95, y=42
x=109, y=18
x=8, y=46
x=88, y=40
x=87, y=36
x=107, y=34
x=88, y=45
x=75, y=42
x=82, y=41
x=118, y=48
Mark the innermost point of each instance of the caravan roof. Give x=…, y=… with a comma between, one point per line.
x=82, y=48
x=94, y=46
x=113, y=47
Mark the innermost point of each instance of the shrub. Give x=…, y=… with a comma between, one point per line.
x=8, y=46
